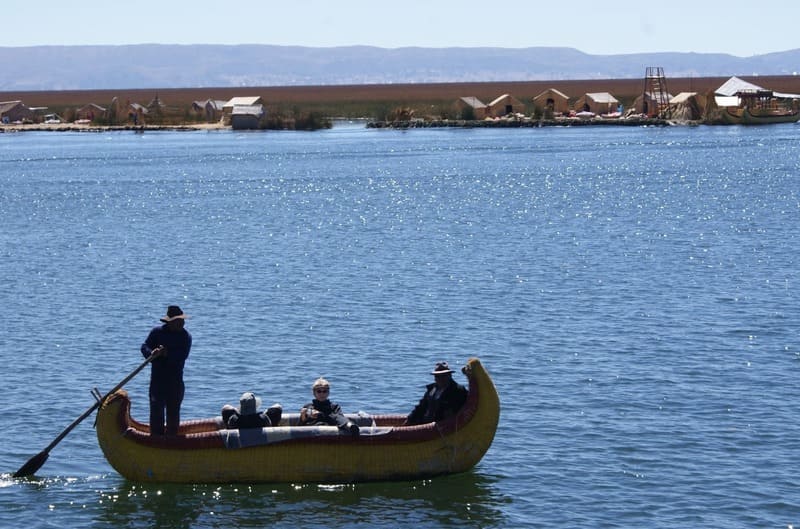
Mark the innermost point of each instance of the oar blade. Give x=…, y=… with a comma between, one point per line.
x=33, y=464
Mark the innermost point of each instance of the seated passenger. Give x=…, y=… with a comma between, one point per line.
x=322, y=411
x=441, y=400
x=247, y=414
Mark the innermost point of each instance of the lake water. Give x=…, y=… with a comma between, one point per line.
x=632, y=291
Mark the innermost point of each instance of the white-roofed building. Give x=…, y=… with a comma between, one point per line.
x=727, y=95
x=245, y=117
x=727, y=101
x=243, y=101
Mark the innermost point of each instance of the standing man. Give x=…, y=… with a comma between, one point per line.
x=170, y=343
x=441, y=400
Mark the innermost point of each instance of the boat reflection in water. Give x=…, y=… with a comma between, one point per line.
x=470, y=499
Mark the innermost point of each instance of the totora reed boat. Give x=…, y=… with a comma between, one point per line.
x=760, y=107
x=205, y=452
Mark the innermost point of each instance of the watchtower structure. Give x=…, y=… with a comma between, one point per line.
x=655, y=94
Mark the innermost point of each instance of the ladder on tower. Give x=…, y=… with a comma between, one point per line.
x=656, y=95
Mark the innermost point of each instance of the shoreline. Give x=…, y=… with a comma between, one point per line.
x=527, y=123
x=416, y=124
x=77, y=127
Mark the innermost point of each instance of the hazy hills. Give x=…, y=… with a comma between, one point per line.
x=179, y=66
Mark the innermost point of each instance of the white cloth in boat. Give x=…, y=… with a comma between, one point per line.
x=275, y=434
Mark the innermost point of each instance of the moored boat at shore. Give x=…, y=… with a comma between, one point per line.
x=205, y=452
x=759, y=107
x=745, y=116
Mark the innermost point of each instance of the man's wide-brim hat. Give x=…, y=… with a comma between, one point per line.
x=441, y=369
x=174, y=312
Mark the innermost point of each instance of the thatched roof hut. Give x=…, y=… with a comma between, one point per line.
x=597, y=102
x=91, y=112
x=649, y=103
x=688, y=106
x=552, y=100
x=469, y=108
x=506, y=104
x=11, y=111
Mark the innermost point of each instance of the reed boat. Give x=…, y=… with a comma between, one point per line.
x=204, y=451
x=759, y=107
x=746, y=116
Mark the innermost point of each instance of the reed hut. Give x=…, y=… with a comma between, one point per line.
x=597, y=102
x=688, y=106
x=469, y=108
x=11, y=111
x=210, y=109
x=649, y=103
x=553, y=101
x=91, y=112
x=505, y=105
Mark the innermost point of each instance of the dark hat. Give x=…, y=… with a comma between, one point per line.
x=441, y=369
x=174, y=312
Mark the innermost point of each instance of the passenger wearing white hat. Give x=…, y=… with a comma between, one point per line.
x=322, y=410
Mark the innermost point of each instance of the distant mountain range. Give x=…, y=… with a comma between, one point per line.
x=198, y=66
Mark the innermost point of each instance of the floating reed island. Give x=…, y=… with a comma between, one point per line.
x=525, y=122
x=521, y=104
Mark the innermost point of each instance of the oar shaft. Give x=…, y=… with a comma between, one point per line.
x=38, y=460
x=97, y=404
x=129, y=377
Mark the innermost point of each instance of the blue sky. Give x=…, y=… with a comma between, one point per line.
x=596, y=27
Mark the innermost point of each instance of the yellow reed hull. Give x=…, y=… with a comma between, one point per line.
x=400, y=453
x=744, y=116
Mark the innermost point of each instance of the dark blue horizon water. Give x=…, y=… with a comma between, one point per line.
x=632, y=291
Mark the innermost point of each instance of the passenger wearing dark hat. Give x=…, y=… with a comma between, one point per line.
x=441, y=400
x=170, y=343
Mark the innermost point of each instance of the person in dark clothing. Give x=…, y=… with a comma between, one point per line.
x=441, y=400
x=247, y=414
x=170, y=343
x=322, y=411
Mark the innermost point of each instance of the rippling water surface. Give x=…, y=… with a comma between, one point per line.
x=632, y=291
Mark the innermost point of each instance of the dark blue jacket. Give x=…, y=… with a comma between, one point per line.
x=167, y=371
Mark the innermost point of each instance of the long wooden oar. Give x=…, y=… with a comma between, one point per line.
x=36, y=462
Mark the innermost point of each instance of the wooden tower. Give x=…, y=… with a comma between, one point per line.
x=655, y=94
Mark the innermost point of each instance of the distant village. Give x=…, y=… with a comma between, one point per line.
x=734, y=102
x=237, y=113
